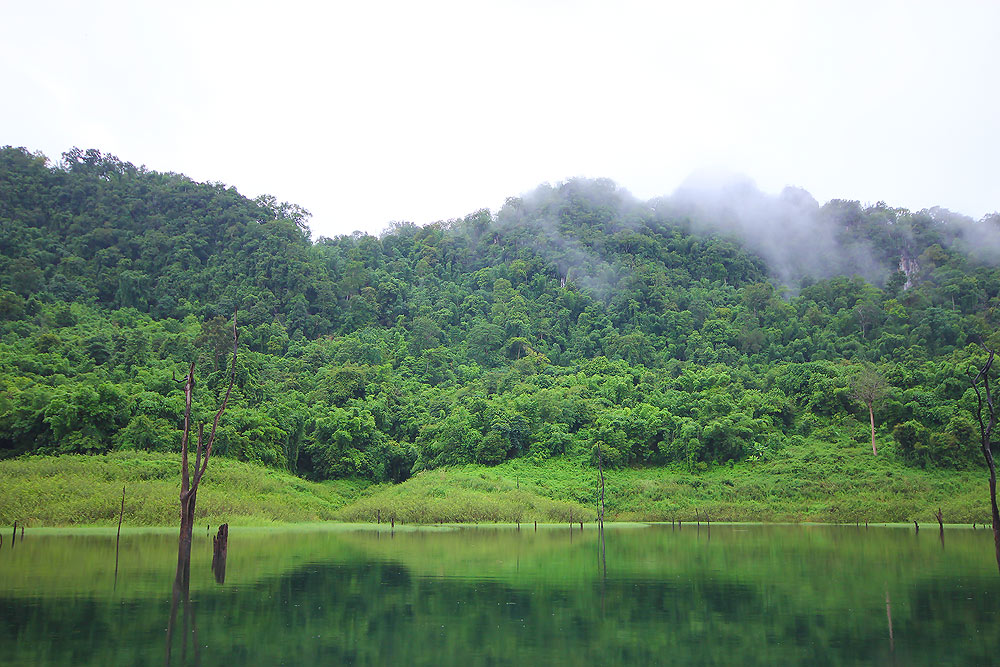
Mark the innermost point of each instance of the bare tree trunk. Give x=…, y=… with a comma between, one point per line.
x=190, y=480
x=993, y=503
x=220, y=551
x=871, y=415
x=600, y=469
x=986, y=440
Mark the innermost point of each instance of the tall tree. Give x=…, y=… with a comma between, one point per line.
x=869, y=386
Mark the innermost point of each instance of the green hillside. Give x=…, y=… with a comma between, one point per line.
x=709, y=328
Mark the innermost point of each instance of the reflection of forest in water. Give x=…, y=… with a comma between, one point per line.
x=495, y=595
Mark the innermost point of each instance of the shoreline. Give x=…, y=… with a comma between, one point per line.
x=76, y=491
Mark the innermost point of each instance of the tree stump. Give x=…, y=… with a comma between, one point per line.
x=220, y=551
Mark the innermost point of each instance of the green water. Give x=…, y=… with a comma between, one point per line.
x=498, y=596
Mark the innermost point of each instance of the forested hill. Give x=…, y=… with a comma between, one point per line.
x=714, y=325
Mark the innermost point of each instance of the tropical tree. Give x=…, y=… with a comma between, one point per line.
x=868, y=386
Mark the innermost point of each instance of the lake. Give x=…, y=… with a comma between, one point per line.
x=495, y=595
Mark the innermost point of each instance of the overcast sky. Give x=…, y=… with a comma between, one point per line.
x=369, y=112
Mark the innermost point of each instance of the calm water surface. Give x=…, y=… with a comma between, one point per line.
x=498, y=596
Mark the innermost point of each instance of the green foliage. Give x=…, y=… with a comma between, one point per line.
x=571, y=317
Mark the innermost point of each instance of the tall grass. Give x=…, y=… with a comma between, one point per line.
x=87, y=490
x=457, y=496
x=809, y=481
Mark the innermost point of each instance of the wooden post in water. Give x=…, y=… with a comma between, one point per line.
x=581, y=526
x=536, y=526
x=13, y=538
x=940, y=519
x=916, y=526
x=120, y=515
x=220, y=551
x=118, y=537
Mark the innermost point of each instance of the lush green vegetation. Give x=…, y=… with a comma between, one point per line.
x=665, y=332
x=73, y=489
x=812, y=481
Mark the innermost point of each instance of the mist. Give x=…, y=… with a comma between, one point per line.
x=798, y=239
x=794, y=235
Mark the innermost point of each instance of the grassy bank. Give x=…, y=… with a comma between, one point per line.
x=808, y=482
x=87, y=490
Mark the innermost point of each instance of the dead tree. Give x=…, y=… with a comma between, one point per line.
x=981, y=384
x=600, y=470
x=190, y=480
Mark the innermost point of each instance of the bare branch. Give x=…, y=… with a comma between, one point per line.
x=197, y=455
x=985, y=429
x=188, y=389
x=222, y=408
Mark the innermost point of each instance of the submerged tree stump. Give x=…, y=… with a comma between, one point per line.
x=220, y=550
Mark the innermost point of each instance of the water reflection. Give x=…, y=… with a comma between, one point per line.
x=181, y=596
x=888, y=616
x=497, y=595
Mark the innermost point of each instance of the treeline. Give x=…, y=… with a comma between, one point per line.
x=574, y=316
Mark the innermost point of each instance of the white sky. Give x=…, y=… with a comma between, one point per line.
x=368, y=112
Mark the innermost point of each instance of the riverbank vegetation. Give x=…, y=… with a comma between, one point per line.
x=683, y=335
x=838, y=483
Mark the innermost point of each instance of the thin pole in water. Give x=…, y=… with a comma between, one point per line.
x=119, y=536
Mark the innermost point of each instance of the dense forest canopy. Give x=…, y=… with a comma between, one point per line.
x=714, y=325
